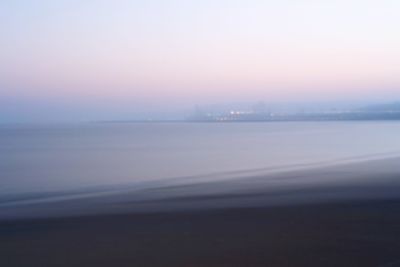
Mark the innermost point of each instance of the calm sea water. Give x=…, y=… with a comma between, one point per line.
x=69, y=157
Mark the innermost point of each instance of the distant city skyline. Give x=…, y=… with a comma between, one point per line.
x=260, y=112
x=105, y=60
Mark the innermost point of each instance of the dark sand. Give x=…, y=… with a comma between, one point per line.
x=346, y=234
x=355, y=222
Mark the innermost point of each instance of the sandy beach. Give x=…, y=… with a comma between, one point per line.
x=347, y=234
x=340, y=215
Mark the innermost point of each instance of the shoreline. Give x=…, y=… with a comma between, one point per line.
x=344, y=215
x=376, y=179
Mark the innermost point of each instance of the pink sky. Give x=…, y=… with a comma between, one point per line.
x=131, y=53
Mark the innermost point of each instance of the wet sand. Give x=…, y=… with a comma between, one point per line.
x=351, y=219
x=341, y=234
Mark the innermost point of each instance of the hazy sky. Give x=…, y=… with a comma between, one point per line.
x=78, y=60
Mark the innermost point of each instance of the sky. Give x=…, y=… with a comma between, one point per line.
x=70, y=60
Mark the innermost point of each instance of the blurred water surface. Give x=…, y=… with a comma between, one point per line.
x=71, y=157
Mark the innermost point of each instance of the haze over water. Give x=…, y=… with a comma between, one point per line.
x=121, y=60
x=71, y=157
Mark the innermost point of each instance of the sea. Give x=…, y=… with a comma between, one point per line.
x=64, y=158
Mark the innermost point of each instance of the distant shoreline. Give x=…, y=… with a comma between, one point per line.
x=294, y=118
x=280, y=118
